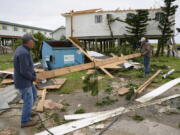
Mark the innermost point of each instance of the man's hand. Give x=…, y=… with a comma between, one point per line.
x=38, y=80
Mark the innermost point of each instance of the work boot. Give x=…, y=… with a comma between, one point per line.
x=29, y=124
x=33, y=114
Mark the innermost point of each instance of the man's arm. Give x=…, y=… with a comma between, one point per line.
x=25, y=70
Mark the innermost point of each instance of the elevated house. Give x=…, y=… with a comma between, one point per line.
x=91, y=26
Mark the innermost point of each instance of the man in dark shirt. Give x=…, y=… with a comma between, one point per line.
x=146, y=51
x=24, y=75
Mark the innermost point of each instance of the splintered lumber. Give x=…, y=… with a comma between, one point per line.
x=66, y=70
x=75, y=125
x=105, y=71
x=122, y=91
x=148, y=82
x=158, y=91
x=77, y=44
x=40, y=105
x=7, y=81
x=52, y=84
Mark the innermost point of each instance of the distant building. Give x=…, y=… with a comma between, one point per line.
x=92, y=24
x=12, y=31
x=59, y=33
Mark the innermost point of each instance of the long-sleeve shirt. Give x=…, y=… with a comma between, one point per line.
x=146, y=49
x=24, y=73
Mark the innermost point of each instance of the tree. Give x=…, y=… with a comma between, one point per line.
x=37, y=48
x=38, y=44
x=136, y=26
x=165, y=25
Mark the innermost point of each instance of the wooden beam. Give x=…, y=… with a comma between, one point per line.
x=40, y=105
x=66, y=70
x=158, y=91
x=77, y=44
x=147, y=83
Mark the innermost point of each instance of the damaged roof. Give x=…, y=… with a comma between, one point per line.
x=99, y=10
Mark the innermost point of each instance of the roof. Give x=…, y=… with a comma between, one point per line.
x=24, y=26
x=62, y=27
x=99, y=10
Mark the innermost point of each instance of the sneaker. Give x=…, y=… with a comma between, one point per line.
x=29, y=124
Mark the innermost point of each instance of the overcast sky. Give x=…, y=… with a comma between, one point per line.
x=47, y=13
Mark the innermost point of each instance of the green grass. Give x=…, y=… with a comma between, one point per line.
x=137, y=118
x=6, y=61
x=79, y=111
x=106, y=101
x=74, y=82
x=163, y=63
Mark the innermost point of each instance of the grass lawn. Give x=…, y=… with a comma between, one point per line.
x=163, y=63
x=6, y=61
x=74, y=82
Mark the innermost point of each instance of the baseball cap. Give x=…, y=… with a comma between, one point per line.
x=28, y=37
x=142, y=39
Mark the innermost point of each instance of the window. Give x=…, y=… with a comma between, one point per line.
x=45, y=33
x=32, y=31
x=98, y=19
x=159, y=16
x=24, y=30
x=15, y=28
x=4, y=27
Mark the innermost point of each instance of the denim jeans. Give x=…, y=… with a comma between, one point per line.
x=29, y=96
x=146, y=65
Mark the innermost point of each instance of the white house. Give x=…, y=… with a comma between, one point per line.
x=93, y=24
x=9, y=32
x=59, y=33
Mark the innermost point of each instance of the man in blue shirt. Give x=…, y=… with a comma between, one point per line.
x=24, y=75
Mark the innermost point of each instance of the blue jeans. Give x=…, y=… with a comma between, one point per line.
x=146, y=65
x=29, y=96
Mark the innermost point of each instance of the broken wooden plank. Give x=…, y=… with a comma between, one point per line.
x=66, y=70
x=52, y=84
x=122, y=91
x=49, y=104
x=7, y=81
x=158, y=91
x=105, y=71
x=75, y=125
x=148, y=82
x=77, y=44
x=40, y=105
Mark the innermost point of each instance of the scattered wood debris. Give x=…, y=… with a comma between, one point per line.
x=91, y=71
x=158, y=91
x=49, y=104
x=8, y=131
x=40, y=104
x=123, y=91
x=75, y=125
x=52, y=84
x=7, y=81
x=147, y=83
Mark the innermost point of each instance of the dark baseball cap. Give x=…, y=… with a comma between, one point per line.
x=28, y=37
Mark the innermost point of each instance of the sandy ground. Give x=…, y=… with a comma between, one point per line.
x=154, y=123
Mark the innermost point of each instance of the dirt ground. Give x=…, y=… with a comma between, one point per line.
x=154, y=123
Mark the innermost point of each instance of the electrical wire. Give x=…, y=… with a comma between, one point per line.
x=41, y=121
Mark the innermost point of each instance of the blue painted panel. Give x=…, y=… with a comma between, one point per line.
x=61, y=56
